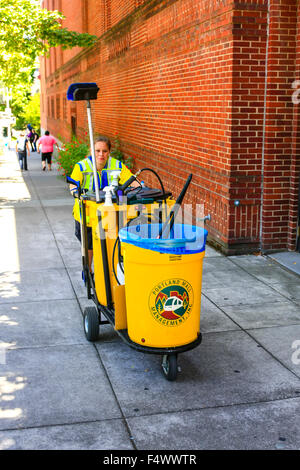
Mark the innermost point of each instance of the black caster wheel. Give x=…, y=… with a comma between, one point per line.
x=91, y=323
x=169, y=366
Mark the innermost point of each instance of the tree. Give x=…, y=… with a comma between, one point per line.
x=30, y=113
x=26, y=32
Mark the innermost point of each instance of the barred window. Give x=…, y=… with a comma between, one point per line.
x=73, y=125
x=52, y=108
x=58, y=107
x=64, y=108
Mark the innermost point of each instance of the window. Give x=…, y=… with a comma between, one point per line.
x=58, y=107
x=73, y=125
x=64, y=108
x=52, y=108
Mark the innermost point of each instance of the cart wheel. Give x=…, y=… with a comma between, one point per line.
x=91, y=323
x=169, y=366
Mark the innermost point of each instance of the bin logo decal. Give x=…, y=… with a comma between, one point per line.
x=171, y=301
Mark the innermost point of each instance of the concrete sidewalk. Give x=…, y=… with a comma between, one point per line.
x=240, y=389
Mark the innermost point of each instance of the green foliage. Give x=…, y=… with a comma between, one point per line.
x=70, y=154
x=28, y=31
x=118, y=154
x=30, y=114
x=20, y=98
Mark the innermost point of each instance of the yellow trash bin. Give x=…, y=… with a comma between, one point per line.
x=163, y=280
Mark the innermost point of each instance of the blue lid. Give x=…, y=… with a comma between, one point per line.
x=183, y=238
x=75, y=86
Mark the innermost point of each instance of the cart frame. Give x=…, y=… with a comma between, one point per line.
x=87, y=92
x=108, y=311
x=169, y=360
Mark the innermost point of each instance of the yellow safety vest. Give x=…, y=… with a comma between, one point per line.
x=105, y=177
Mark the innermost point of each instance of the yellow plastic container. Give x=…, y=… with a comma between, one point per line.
x=105, y=221
x=163, y=289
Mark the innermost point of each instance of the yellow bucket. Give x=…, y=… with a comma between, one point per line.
x=104, y=221
x=163, y=279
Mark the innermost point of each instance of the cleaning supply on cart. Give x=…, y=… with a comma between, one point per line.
x=108, y=196
x=116, y=176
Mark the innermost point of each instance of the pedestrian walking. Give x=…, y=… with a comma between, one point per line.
x=47, y=142
x=22, y=147
x=30, y=137
x=35, y=139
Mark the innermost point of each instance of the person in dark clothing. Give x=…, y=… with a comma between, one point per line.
x=35, y=139
x=30, y=137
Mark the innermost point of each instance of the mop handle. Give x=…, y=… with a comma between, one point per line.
x=93, y=151
x=173, y=213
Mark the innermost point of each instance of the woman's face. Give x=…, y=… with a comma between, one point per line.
x=101, y=154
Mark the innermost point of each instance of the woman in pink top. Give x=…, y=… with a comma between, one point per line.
x=47, y=142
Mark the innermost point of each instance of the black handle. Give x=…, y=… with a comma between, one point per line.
x=173, y=213
x=127, y=183
x=77, y=184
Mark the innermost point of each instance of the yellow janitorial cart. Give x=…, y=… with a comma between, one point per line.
x=147, y=268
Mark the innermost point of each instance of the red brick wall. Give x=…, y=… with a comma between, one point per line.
x=249, y=31
x=182, y=83
x=294, y=222
x=279, y=124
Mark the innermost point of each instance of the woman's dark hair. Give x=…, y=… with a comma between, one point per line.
x=103, y=138
x=47, y=132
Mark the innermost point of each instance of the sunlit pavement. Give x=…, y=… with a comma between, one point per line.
x=240, y=389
